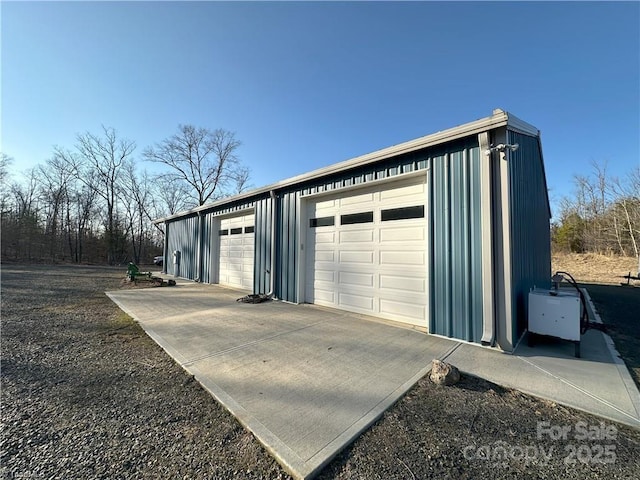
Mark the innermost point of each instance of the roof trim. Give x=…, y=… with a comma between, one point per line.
x=499, y=118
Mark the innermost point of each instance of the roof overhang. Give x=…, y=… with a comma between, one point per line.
x=498, y=119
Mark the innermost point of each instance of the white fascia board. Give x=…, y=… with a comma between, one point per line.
x=499, y=118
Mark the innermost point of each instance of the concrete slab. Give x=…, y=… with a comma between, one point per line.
x=305, y=380
x=597, y=383
x=308, y=380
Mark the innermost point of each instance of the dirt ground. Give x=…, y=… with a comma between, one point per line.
x=594, y=268
x=86, y=394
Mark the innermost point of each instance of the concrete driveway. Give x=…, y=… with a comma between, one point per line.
x=305, y=380
x=308, y=380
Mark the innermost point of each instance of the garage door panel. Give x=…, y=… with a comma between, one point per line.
x=324, y=297
x=356, y=236
x=401, y=310
x=325, y=276
x=236, y=252
x=392, y=257
x=356, y=279
x=356, y=301
x=324, y=256
x=325, y=237
x=355, y=257
x=404, y=192
x=403, y=234
x=326, y=204
x=374, y=267
x=402, y=283
x=356, y=199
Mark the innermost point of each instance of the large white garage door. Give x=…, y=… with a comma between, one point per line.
x=236, y=251
x=366, y=251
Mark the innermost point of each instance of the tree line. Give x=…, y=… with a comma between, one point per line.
x=602, y=215
x=93, y=203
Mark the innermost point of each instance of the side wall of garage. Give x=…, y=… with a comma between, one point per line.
x=289, y=203
x=182, y=235
x=195, y=236
x=529, y=226
x=453, y=219
x=486, y=236
x=456, y=242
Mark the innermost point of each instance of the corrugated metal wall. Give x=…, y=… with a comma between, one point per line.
x=262, y=263
x=209, y=233
x=454, y=231
x=529, y=225
x=456, y=250
x=287, y=242
x=182, y=236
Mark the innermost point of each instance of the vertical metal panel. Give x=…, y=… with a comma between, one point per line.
x=484, y=236
x=262, y=264
x=455, y=237
x=476, y=267
x=529, y=225
x=501, y=243
x=207, y=247
x=182, y=236
x=460, y=254
x=287, y=246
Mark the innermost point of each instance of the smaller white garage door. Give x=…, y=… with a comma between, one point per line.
x=367, y=251
x=236, y=251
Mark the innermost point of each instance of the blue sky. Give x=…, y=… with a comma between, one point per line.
x=304, y=85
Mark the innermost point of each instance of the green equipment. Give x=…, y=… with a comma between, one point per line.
x=134, y=273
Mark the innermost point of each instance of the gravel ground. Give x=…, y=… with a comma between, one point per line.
x=620, y=309
x=86, y=394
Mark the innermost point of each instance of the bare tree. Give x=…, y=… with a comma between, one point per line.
x=602, y=215
x=100, y=163
x=23, y=237
x=56, y=181
x=171, y=195
x=203, y=159
x=627, y=209
x=242, y=180
x=137, y=200
x=5, y=162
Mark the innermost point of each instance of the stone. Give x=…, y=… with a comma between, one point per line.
x=443, y=373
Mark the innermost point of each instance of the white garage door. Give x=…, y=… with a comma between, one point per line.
x=366, y=251
x=236, y=251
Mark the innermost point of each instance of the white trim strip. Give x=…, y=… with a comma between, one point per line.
x=499, y=118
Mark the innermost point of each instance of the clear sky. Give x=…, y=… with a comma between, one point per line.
x=304, y=85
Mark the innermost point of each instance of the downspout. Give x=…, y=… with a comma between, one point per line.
x=165, y=248
x=272, y=276
x=199, y=249
x=487, y=228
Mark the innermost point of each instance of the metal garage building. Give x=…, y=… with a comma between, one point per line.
x=447, y=233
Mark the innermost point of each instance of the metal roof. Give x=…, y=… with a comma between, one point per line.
x=499, y=118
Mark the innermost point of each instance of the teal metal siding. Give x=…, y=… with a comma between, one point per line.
x=287, y=242
x=453, y=175
x=182, y=236
x=455, y=264
x=262, y=264
x=529, y=225
x=288, y=201
x=208, y=235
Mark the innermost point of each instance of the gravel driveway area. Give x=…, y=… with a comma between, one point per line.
x=86, y=394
